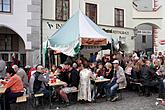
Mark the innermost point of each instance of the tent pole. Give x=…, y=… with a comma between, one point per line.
x=111, y=48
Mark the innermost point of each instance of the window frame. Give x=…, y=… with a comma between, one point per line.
x=62, y=11
x=2, y=11
x=86, y=11
x=119, y=15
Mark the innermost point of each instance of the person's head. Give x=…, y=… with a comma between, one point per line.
x=129, y=63
x=100, y=65
x=156, y=63
x=108, y=65
x=93, y=65
x=67, y=65
x=53, y=68
x=160, y=54
x=115, y=64
x=86, y=65
x=74, y=65
x=40, y=68
x=15, y=67
x=96, y=53
x=10, y=72
x=148, y=63
x=91, y=54
x=80, y=67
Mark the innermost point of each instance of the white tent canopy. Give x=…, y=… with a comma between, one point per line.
x=78, y=30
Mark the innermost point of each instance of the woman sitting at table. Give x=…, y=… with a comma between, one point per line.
x=85, y=84
x=14, y=88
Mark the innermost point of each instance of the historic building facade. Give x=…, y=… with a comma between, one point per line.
x=20, y=30
x=137, y=24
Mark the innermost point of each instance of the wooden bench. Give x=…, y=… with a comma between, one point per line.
x=20, y=103
x=73, y=96
x=35, y=97
x=38, y=95
x=21, y=99
x=120, y=90
x=139, y=86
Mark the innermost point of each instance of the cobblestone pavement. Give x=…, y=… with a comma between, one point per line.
x=130, y=101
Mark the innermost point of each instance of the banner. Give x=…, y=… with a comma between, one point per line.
x=93, y=41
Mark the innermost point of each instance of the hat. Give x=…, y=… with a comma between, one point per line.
x=115, y=62
x=67, y=63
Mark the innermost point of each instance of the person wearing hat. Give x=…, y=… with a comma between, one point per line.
x=118, y=81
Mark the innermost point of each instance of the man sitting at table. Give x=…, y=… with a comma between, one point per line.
x=118, y=81
x=14, y=88
x=72, y=82
x=40, y=81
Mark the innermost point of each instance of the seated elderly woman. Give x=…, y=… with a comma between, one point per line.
x=14, y=88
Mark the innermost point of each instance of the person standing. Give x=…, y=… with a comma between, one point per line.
x=2, y=68
x=85, y=84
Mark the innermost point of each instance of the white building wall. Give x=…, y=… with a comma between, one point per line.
x=161, y=31
x=105, y=16
x=24, y=19
x=17, y=20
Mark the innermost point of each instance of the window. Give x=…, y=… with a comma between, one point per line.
x=143, y=39
x=9, y=42
x=91, y=11
x=5, y=6
x=119, y=17
x=62, y=10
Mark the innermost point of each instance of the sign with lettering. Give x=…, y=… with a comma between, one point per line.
x=114, y=31
x=144, y=32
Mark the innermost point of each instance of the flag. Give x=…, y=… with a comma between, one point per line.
x=46, y=56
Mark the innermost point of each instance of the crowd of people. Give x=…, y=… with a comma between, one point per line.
x=80, y=74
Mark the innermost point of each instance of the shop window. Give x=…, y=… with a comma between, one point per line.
x=119, y=17
x=62, y=10
x=5, y=6
x=91, y=11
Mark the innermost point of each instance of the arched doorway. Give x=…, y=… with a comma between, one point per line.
x=11, y=42
x=146, y=37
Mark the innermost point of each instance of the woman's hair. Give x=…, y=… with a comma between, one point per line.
x=108, y=65
x=11, y=71
x=137, y=66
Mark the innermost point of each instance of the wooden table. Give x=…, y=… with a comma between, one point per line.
x=55, y=84
x=99, y=81
x=58, y=83
x=2, y=91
